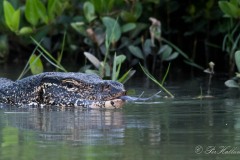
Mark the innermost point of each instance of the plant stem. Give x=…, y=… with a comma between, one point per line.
x=155, y=81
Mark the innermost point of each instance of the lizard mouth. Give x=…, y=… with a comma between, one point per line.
x=114, y=102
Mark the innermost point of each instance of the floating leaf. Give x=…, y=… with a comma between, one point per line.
x=136, y=51
x=36, y=65
x=113, y=30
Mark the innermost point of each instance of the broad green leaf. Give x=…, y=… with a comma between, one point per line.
x=25, y=30
x=166, y=53
x=36, y=65
x=147, y=47
x=89, y=11
x=41, y=11
x=12, y=17
x=120, y=59
x=8, y=12
x=137, y=10
x=16, y=20
x=113, y=30
x=136, y=51
x=237, y=60
x=52, y=8
x=80, y=27
x=234, y=2
x=128, y=27
x=229, y=9
x=172, y=56
x=231, y=84
x=134, y=14
x=31, y=12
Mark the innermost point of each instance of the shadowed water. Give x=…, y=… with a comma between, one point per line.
x=181, y=128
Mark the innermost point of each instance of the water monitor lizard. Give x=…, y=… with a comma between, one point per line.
x=63, y=89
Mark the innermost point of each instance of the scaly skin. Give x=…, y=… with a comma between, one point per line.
x=64, y=90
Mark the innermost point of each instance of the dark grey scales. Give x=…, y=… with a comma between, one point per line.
x=63, y=89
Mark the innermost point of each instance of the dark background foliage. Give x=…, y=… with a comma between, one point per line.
x=197, y=28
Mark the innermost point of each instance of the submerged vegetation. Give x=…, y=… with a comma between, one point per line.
x=112, y=37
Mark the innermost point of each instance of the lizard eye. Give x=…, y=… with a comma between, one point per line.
x=69, y=85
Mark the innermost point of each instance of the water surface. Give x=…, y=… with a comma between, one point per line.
x=182, y=128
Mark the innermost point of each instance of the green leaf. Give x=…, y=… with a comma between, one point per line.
x=12, y=17
x=80, y=27
x=146, y=72
x=113, y=30
x=25, y=30
x=237, y=59
x=234, y=2
x=52, y=8
x=166, y=53
x=34, y=11
x=229, y=9
x=126, y=76
x=120, y=59
x=231, y=84
x=31, y=12
x=41, y=11
x=128, y=27
x=35, y=64
x=136, y=51
x=89, y=11
x=8, y=12
x=137, y=10
x=16, y=20
x=172, y=56
x=134, y=14
x=147, y=47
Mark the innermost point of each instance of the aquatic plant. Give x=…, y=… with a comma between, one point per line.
x=35, y=63
x=231, y=40
x=160, y=84
x=235, y=81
